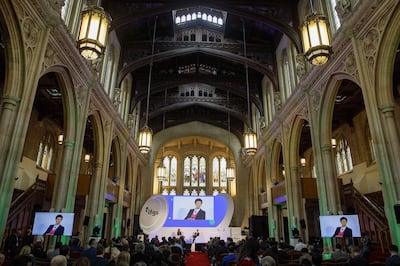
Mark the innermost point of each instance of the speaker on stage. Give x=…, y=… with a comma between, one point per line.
x=259, y=226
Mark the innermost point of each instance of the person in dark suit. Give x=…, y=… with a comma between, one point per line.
x=196, y=213
x=343, y=231
x=57, y=228
x=394, y=258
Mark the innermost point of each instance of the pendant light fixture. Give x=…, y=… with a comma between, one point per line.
x=161, y=169
x=93, y=32
x=146, y=134
x=250, y=137
x=316, y=38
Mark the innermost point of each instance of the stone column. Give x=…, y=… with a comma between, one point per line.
x=62, y=179
x=329, y=177
x=394, y=140
x=7, y=179
x=93, y=198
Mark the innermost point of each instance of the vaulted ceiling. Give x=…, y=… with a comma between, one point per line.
x=217, y=67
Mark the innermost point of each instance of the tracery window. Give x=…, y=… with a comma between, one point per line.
x=171, y=166
x=219, y=172
x=194, y=171
x=344, y=162
x=45, y=153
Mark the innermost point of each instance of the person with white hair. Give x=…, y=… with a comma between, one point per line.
x=58, y=260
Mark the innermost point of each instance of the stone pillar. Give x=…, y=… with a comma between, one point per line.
x=394, y=140
x=62, y=179
x=93, y=198
x=7, y=175
x=329, y=178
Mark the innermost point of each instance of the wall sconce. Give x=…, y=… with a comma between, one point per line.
x=303, y=162
x=60, y=139
x=93, y=32
x=283, y=173
x=86, y=159
x=333, y=143
x=316, y=38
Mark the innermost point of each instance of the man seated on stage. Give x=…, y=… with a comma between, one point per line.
x=197, y=213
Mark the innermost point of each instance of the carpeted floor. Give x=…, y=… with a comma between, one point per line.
x=197, y=259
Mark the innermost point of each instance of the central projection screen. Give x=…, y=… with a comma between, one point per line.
x=176, y=211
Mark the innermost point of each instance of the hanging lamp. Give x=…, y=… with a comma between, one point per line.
x=146, y=134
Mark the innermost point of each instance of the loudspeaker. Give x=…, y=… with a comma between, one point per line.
x=259, y=226
x=128, y=222
x=397, y=212
x=86, y=220
x=303, y=224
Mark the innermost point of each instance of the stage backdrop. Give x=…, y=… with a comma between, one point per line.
x=169, y=212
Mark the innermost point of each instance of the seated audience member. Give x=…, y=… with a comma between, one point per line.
x=231, y=255
x=248, y=253
x=82, y=261
x=37, y=250
x=268, y=261
x=394, y=259
x=316, y=258
x=139, y=255
x=300, y=245
x=339, y=254
x=26, y=251
x=100, y=260
x=55, y=251
x=58, y=260
x=75, y=245
x=90, y=253
x=305, y=255
x=157, y=259
x=283, y=256
x=356, y=258
x=124, y=258
x=22, y=261
x=114, y=256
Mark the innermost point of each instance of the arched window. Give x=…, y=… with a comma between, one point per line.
x=171, y=165
x=45, y=153
x=220, y=22
x=178, y=20
x=194, y=173
x=219, y=172
x=344, y=162
x=333, y=14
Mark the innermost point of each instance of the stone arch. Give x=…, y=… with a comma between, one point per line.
x=327, y=105
x=117, y=157
x=98, y=132
x=274, y=167
x=386, y=55
x=14, y=51
x=69, y=100
x=294, y=140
